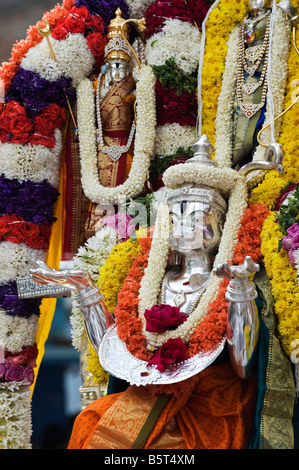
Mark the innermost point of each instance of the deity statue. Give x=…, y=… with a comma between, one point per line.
x=199, y=234
x=115, y=113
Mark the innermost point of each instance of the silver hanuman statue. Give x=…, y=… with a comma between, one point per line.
x=197, y=216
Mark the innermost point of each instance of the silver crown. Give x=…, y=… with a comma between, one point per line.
x=203, y=150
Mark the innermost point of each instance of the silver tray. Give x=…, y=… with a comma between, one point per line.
x=119, y=362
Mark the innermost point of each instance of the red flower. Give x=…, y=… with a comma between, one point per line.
x=13, y=108
x=19, y=138
x=56, y=113
x=181, y=109
x=59, y=32
x=171, y=352
x=96, y=43
x=20, y=124
x=74, y=23
x=44, y=125
x=39, y=139
x=98, y=24
x=163, y=317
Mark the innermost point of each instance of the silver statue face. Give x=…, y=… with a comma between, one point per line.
x=193, y=227
x=119, y=69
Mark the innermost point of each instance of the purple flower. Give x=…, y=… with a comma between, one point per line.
x=293, y=229
x=290, y=242
x=2, y=368
x=36, y=93
x=28, y=199
x=10, y=302
x=105, y=8
x=29, y=374
x=14, y=373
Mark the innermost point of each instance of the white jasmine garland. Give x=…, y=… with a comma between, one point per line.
x=73, y=59
x=15, y=420
x=91, y=257
x=279, y=69
x=138, y=8
x=170, y=137
x=32, y=162
x=178, y=39
x=17, y=332
x=151, y=282
x=16, y=260
x=224, y=179
x=143, y=148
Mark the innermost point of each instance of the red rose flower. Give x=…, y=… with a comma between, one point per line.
x=13, y=109
x=39, y=139
x=4, y=136
x=56, y=113
x=97, y=24
x=96, y=43
x=59, y=32
x=74, y=23
x=81, y=12
x=4, y=122
x=19, y=138
x=171, y=352
x=44, y=125
x=163, y=317
x=20, y=125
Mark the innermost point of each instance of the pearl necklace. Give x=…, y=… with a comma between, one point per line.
x=115, y=151
x=254, y=55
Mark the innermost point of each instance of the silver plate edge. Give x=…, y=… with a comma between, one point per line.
x=119, y=362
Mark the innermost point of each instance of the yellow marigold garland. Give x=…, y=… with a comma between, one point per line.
x=283, y=278
x=219, y=25
x=114, y=271
x=282, y=275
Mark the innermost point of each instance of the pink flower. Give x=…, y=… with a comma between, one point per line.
x=163, y=317
x=171, y=352
x=122, y=223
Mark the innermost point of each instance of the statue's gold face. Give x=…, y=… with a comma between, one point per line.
x=193, y=227
x=119, y=69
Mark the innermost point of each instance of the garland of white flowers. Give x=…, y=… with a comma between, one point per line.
x=279, y=69
x=144, y=140
x=35, y=163
x=172, y=136
x=151, y=282
x=32, y=162
x=91, y=257
x=15, y=420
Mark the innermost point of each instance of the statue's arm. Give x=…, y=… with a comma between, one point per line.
x=242, y=319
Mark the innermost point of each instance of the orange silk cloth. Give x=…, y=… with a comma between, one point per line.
x=217, y=414
x=117, y=114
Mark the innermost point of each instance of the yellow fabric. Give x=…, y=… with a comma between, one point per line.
x=48, y=305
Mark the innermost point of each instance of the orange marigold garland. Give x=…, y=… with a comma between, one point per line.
x=212, y=328
x=20, y=49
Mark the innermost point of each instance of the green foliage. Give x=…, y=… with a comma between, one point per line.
x=172, y=77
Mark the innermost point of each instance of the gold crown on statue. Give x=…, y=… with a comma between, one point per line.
x=117, y=47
